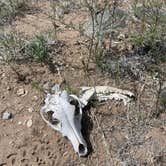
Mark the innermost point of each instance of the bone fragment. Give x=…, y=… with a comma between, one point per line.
x=103, y=93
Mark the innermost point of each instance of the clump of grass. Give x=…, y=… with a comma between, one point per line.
x=37, y=49
x=13, y=47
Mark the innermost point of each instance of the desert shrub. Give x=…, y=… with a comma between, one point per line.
x=10, y=8
x=12, y=51
x=11, y=46
x=58, y=11
x=14, y=47
x=151, y=37
x=105, y=18
x=37, y=49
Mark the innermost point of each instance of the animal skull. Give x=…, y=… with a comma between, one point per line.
x=64, y=113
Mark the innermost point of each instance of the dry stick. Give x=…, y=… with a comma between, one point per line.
x=139, y=98
x=144, y=18
x=158, y=96
x=53, y=20
x=99, y=39
x=92, y=13
x=94, y=140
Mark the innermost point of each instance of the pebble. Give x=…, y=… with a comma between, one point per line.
x=30, y=110
x=21, y=92
x=121, y=37
x=19, y=123
x=29, y=123
x=3, y=75
x=7, y=115
x=8, y=88
x=35, y=98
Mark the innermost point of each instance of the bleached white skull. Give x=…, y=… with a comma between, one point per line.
x=64, y=113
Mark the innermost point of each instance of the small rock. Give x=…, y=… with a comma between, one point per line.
x=21, y=92
x=121, y=37
x=30, y=110
x=50, y=42
x=29, y=123
x=3, y=75
x=7, y=115
x=20, y=108
x=19, y=123
x=92, y=66
x=8, y=88
x=35, y=98
x=11, y=143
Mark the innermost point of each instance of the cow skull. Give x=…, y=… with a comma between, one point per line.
x=64, y=113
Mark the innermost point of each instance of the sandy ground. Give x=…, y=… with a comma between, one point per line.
x=114, y=132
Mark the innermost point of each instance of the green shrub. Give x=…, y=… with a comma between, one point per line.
x=37, y=49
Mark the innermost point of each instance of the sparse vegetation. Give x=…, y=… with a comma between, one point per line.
x=37, y=49
x=11, y=46
x=10, y=8
x=11, y=50
x=117, y=43
x=37, y=86
x=152, y=37
x=104, y=19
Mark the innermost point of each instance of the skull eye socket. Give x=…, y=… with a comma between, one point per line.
x=50, y=118
x=77, y=109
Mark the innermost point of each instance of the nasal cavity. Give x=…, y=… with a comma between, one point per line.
x=82, y=150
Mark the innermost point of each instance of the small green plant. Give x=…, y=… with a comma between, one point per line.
x=151, y=37
x=37, y=49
